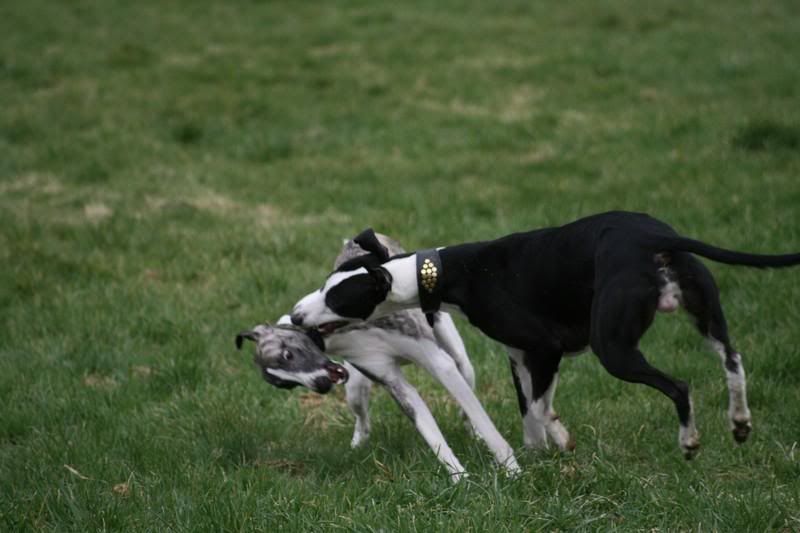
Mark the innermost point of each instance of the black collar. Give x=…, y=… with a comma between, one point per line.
x=429, y=282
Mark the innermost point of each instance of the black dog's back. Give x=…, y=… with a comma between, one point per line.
x=553, y=270
x=554, y=273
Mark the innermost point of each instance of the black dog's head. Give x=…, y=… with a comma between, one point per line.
x=352, y=292
x=288, y=356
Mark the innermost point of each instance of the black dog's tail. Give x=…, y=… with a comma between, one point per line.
x=729, y=257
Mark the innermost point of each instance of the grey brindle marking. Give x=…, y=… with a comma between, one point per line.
x=374, y=352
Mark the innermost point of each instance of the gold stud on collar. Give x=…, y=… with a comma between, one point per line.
x=429, y=275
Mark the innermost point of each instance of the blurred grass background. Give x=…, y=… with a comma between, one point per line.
x=171, y=173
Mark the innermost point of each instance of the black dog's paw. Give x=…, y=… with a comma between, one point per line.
x=691, y=450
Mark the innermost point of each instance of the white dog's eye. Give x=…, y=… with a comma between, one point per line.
x=287, y=355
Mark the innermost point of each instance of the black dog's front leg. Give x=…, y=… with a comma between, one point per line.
x=535, y=379
x=535, y=353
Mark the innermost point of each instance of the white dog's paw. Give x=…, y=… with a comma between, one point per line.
x=456, y=477
x=359, y=439
x=512, y=468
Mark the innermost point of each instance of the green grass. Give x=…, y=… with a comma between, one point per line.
x=173, y=172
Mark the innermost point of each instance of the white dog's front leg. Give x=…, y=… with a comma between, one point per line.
x=444, y=329
x=448, y=338
x=442, y=367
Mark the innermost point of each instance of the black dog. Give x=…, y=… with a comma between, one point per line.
x=552, y=292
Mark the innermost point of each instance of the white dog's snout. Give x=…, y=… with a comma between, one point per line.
x=310, y=310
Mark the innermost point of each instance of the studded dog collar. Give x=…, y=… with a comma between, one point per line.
x=429, y=282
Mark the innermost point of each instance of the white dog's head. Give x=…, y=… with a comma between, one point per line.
x=356, y=290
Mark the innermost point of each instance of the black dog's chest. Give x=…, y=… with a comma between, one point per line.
x=566, y=314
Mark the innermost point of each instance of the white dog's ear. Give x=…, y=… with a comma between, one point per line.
x=370, y=243
x=382, y=278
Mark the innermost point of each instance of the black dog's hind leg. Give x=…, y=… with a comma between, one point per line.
x=621, y=312
x=701, y=299
x=535, y=379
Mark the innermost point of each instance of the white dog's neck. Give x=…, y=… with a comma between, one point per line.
x=405, y=290
x=404, y=281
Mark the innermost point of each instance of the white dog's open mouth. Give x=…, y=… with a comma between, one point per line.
x=336, y=373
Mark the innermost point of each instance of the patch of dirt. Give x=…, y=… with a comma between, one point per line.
x=141, y=371
x=498, y=61
x=97, y=212
x=96, y=381
x=322, y=411
x=517, y=105
x=283, y=465
x=122, y=489
x=520, y=104
x=538, y=154
x=336, y=49
x=44, y=182
x=267, y=215
x=212, y=201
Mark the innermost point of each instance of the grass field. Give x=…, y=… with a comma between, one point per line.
x=174, y=172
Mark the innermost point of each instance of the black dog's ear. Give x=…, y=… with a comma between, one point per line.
x=316, y=337
x=383, y=278
x=370, y=243
x=240, y=337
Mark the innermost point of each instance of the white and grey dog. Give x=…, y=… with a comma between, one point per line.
x=374, y=351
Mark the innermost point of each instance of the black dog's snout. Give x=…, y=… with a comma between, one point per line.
x=297, y=319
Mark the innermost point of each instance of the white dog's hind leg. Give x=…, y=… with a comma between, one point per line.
x=357, y=391
x=448, y=338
